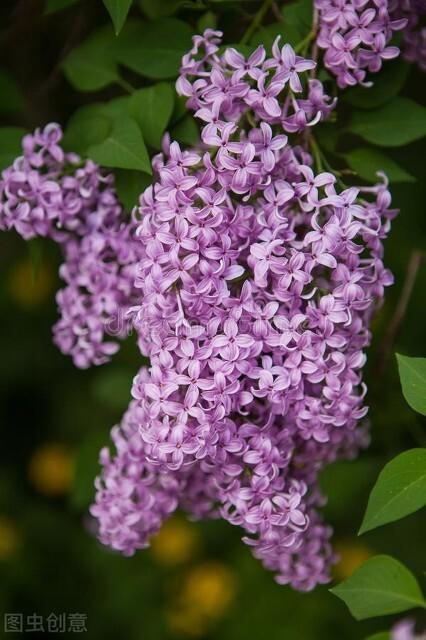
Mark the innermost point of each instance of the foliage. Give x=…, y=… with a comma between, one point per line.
x=379, y=587
x=399, y=490
x=412, y=372
x=383, y=585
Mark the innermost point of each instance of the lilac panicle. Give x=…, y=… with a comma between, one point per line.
x=50, y=193
x=257, y=281
x=250, y=279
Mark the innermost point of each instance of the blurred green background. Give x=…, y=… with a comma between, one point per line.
x=198, y=580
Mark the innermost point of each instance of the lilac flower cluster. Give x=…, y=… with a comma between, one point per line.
x=355, y=36
x=137, y=497
x=49, y=193
x=258, y=281
x=414, y=34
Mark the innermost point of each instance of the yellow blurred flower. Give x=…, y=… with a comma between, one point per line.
x=204, y=596
x=29, y=288
x=352, y=555
x=51, y=469
x=9, y=537
x=176, y=542
x=210, y=587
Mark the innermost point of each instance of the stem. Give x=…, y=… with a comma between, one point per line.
x=300, y=46
x=277, y=13
x=316, y=153
x=125, y=85
x=314, y=51
x=251, y=120
x=256, y=21
x=414, y=264
x=321, y=160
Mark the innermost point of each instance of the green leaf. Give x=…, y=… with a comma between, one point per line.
x=118, y=10
x=299, y=14
x=154, y=49
x=91, y=66
x=400, y=489
x=412, y=373
x=11, y=96
x=124, y=147
x=10, y=144
x=186, y=131
x=382, y=635
x=396, y=123
x=387, y=84
x=52, y=6
x=88, y=126
x=366, y=163
x=381, y=586
x=129, y=185
x=117, y=107
x=152, y=108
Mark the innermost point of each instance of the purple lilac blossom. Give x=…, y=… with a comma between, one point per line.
x=414, y=34
x=405, y=630
x=49, y=193
x=355, y=36
x=258, y=281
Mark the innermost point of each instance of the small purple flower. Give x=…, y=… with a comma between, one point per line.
x=266, y=145
x=291, y=65
x=266, y=96
x=241, y=167
x=242, y=66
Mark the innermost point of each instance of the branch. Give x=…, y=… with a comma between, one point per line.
x=256, y=21
x=414, y=264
